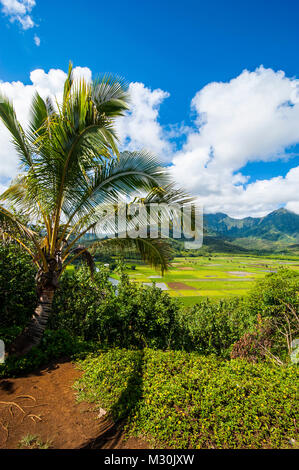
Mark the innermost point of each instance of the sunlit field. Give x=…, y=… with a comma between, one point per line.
x=216, y=276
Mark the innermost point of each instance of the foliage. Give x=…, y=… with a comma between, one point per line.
x=212, y=326
x=17, y=286
x=32, y=441
x=183, y=400
x=8, y=334
x=54, y=345
x=134, y=316
x=271, y=295
x=139, y=316
x=276, y=298
x=143, y=316
x=82, y=303
x=146, y=316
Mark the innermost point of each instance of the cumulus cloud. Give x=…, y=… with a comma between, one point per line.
x=19, y=11
x=254, y=117
x=256, y=199
x=140, y=128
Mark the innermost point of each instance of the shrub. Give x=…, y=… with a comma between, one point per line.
x=273, y=295
x=136, y=316
x=183, y=400
x=212, y=326
x=82, y=304
x=140, y=316
x=17, y=286
x=276, y=299
x=54, y=345
x=144, y=316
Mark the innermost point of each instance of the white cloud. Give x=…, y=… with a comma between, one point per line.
x=253, y=117
x=140, y=127
x=293, y=206
x=256, y=199
x=19, y=11
x=36, y=40
x=83, y=72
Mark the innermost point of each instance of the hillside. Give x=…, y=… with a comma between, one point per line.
x=277, y=231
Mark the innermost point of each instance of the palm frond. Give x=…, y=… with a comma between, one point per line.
x=110, y=95
x=40, y=113
x=82, y=252
x=156, y=252
x=117, y=178
x=68, y=84
x=11, y=227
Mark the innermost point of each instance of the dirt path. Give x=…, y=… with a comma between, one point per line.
x=45, y=407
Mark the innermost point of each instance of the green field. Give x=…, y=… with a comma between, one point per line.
x=216, y=276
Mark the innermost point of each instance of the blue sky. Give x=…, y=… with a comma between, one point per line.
x=180, y=48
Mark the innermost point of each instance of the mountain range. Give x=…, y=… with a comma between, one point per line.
x=277, y=231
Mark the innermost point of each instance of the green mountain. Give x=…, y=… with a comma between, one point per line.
x=277, y=231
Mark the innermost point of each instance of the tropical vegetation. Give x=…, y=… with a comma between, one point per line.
x=221, y=372
x=72, y=172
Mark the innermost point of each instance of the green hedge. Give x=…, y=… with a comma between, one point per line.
x=183, y=400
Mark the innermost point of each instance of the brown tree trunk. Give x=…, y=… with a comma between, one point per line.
x=46, y=283
x=33, y=333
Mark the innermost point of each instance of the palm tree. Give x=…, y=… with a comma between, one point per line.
x=70, y=167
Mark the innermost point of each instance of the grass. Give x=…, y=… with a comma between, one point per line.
x=32, y=441
x=211, y=276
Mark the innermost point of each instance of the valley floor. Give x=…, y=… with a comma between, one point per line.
x=209, y=276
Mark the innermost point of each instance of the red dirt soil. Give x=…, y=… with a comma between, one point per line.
x=180, y=286
x=44, y=404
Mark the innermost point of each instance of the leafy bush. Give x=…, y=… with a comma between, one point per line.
x=185, y=400
x=212, y=326
x=256, y=345
x=9, y=334
x=17, y=286
x=142, y=316
x=136, y=316
x=272, y=295
x=54, y=345
x=276, y=299
x=82, y=304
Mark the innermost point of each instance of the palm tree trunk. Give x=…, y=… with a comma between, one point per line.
x=33, y=333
